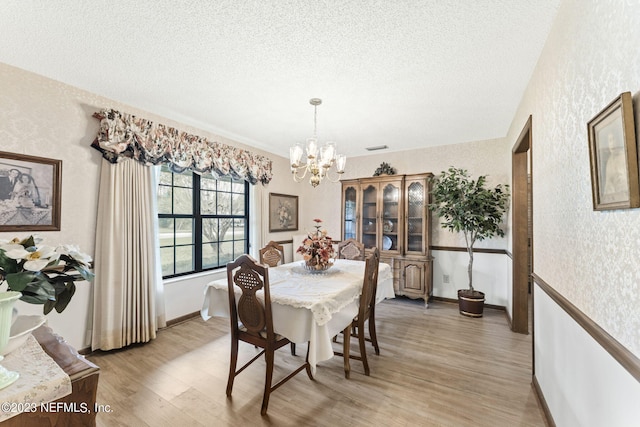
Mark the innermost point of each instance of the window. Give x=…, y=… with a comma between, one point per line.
x=203, y=221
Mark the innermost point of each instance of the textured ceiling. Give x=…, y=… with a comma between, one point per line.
x=405, y=74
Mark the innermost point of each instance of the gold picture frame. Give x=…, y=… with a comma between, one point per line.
x=613, y=156
x=283, y=212
x=30, y=193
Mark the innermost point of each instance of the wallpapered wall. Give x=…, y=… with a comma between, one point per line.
x=491, y=157
x=46, y=118
x=591, y=258
x=42, y=117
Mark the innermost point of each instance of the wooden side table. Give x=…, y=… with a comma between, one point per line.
x=84, y=385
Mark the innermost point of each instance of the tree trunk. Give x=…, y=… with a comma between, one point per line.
x=470, y=269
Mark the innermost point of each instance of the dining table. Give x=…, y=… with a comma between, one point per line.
x=308, y=306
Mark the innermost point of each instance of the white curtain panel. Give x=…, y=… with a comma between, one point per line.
x=128, y=289
x=258, y=202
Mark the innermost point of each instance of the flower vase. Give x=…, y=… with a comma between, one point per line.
x=317, y=268
x=7, y=300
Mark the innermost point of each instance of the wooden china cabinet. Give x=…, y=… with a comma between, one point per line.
x=391, y=213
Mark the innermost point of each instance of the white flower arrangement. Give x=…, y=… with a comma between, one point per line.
x=43, y=274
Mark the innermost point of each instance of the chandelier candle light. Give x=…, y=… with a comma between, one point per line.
x=319, y=159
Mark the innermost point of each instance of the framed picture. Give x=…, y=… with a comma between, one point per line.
x=29, y=193
x=283, y=212
x=613, y=156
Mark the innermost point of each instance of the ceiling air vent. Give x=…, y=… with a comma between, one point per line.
x=379, y=147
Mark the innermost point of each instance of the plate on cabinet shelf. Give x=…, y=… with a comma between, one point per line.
x=386, y=243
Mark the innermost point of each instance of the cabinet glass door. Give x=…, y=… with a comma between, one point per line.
x=349, y=214
x=391, y=225
x=416, y=217
x=369, y=222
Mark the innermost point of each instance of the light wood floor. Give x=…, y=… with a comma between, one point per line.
x=435, y=368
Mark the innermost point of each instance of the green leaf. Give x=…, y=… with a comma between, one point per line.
x=38, y=292
x=64, y=297
x=48, y=306
x=28, y=242
x=34, y=299
x=86, y=274
x=19, y=281
x=8, y=265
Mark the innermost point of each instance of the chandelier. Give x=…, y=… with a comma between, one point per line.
x=319, y=159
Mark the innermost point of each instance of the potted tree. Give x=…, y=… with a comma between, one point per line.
x=469, y=206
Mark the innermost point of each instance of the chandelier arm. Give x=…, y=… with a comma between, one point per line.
x=337, y=177
x=295, y=170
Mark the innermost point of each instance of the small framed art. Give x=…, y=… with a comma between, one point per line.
x=283, y=212
x=613, y=156
x=29, y=193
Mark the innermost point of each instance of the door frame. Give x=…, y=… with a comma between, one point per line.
x=522, y=172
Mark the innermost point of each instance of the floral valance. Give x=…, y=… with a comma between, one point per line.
x=127, y=136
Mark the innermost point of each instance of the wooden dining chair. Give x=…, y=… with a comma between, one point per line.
x=366, y=310
x=272, y=254
x=351, y=249
x=252, y=322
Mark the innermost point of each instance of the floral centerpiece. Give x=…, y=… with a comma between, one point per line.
x=44, y=274
x=317, y=249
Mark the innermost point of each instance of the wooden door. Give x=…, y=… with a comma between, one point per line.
x=413, y=278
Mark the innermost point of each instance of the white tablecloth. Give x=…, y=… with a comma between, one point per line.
x=41, y=380
x=308, y=307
